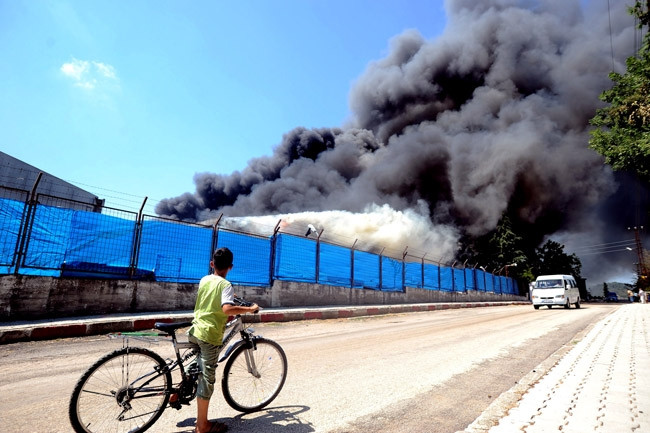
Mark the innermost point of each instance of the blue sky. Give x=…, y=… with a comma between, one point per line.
x=131, y=99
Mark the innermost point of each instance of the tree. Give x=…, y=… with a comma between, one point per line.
x=506, y=245
x=605, y=290
x=500, y=247
x=642, y=12
x=550, y=258
x=622, y=128
x=503, y=246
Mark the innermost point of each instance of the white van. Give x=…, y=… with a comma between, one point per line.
x=552, y=290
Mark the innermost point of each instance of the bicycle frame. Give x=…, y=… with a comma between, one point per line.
x=233, y=327
x=246, y=334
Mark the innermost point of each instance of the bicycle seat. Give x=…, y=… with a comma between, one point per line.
x=171, y=327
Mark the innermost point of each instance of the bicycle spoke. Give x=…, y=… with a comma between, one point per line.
x=105, y=401
x=253, y=378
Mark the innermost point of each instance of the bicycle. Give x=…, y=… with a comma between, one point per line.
x=127, y=390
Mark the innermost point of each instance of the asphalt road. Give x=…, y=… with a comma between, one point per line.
x=427, y=372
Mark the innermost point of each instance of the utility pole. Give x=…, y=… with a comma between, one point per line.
x=641, y=268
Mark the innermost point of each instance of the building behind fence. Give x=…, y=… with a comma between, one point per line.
x=52, y=236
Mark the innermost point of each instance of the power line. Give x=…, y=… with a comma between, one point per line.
x=627, y=241
x=611, y=40
x=605, y=247
x=605, y=251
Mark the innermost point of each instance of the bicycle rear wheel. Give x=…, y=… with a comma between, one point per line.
x=248, y=391
x=125, y=391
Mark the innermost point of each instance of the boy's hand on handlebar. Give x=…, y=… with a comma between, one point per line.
x=250, y=306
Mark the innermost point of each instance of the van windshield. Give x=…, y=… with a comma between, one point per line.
x=549, y=284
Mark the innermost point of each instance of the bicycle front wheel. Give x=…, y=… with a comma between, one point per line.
x=252, y=378
x=124, y=391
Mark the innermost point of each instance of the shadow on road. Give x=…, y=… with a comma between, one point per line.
x=278, y=419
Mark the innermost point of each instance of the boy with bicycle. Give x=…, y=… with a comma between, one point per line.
x=214, y=303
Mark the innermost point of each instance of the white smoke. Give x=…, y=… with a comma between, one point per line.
x=376, y=229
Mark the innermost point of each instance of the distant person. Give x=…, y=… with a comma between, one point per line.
x=630, y=295
x=214, y=303
x=642, y=296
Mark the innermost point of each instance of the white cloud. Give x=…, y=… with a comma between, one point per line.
x=89, y=74
x=75, y=69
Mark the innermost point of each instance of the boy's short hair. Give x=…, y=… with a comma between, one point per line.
x=222, y=258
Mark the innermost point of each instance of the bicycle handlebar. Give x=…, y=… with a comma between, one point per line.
x=243, y=303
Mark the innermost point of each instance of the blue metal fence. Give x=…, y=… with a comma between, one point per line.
x=54, y=239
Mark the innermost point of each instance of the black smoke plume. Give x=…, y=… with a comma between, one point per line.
x=490, y=117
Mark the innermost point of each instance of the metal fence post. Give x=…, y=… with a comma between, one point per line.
x=465, y=277
x=352, y=264
x=215, y=241
x=318, y=255
x=273, y=253
x=404, y=269
x=423, y=269
x=26, y=226
x=474, y=277
x=135, y=252
x=453, y=276
x=381, y=268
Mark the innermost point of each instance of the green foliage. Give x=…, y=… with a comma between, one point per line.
x=550, y=258
x=605, y=290
x=503, y=246
x=500, y=247
x=622, y=128
x=641, y=10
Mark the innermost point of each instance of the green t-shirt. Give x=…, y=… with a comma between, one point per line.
x=209, y=320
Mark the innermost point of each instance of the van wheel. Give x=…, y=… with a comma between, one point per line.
x=577, y=304
x=549, y=306
x=536, y=307
x=567, y=305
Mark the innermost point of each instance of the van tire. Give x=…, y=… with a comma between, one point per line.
x=567, y=305
x=577, y=304
x=536, y=307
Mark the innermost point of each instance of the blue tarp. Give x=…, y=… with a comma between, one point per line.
x=480, y=280
x=175, y=251
x=446, y=284
x=391, y=275
x=252, y=257
x=413, y=277
x=366, y=270
x=470, y=284
x=459, y=279
x=11, y=215
x=335, y=265
x=498, y=284
x=100, y=239
x=295, y=259
x=81, y=243
x=431, y=277
x=50, y=232
x=489, y=283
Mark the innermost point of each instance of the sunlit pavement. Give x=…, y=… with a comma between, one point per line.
x=602, y=384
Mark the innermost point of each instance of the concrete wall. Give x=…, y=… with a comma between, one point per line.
x=28, y=297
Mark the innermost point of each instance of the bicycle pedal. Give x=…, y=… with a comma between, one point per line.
x=174, y=401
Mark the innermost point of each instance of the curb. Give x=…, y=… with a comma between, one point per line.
x=81, y=327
